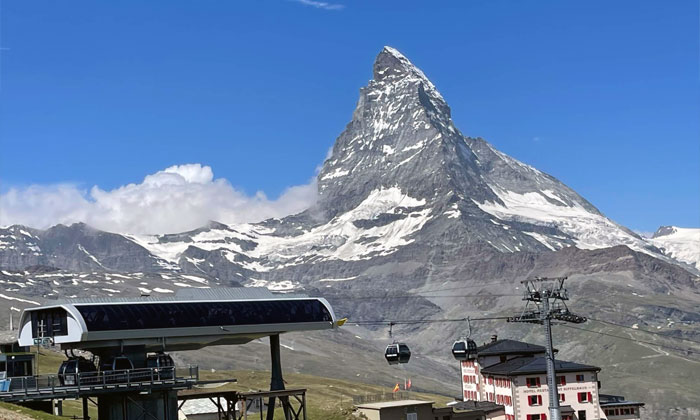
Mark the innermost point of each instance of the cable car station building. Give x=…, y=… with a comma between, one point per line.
x=131, y=375
x=514, y=374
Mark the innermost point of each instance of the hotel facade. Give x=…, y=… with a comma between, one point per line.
x=514, y=374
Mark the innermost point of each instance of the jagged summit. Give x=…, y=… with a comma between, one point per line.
x=402, y=139
x=664, y=231
x=391, y=64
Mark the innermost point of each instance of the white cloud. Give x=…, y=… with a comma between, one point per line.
x=321, y=4
x=176, y=199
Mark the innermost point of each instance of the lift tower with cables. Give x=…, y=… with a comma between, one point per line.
x=546, y=301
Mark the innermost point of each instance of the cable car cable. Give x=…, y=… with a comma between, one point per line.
x=424, y=321
x=415, y=296
x=643, y=330
x=633, y=339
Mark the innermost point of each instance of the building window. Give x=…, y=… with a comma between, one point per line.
x=582, y=415
x=561, y=380
x=579, y=378
x=49, y=323
x=534, y=400
x=584, y=397
x=562, y=397
x=411, y=416
x=533, y=382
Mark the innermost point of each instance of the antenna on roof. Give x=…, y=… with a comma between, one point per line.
x=548, y=298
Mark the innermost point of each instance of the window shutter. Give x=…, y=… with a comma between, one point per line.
x=590, y=397
x=529, y=417
x=543, y=416
x=539, y=400
x=563, y=397
x=563, y=380
x=529, y=401
x=538, y=381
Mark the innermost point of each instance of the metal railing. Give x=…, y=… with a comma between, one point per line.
x=382, y=397
x=112, y=378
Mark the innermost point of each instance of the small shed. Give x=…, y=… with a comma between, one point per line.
x=398, y=410
x=470, y=410
x=14, y=359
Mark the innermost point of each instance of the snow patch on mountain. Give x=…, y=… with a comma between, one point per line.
x=379, y=225
x=683, y=244
x=354, y=235
x=546, y=208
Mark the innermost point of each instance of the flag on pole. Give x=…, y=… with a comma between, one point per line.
x=396, y=388
x=408, y=384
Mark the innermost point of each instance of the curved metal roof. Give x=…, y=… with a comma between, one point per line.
x=191, y=319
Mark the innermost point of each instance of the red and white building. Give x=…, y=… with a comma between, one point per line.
x=514, y=374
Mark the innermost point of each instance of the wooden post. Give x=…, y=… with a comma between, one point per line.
x=86, y=415
x=303, y=402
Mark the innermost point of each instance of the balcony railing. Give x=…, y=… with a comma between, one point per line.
x=86, y=381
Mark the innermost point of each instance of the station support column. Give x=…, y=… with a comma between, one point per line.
x=276, y=381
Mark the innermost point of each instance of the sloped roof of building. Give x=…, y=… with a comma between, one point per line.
x=508, y=346
x=485, y=406
x=391, y=404
x=607, y=401
x=527, y=365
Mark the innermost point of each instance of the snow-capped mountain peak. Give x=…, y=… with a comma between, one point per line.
x=400, y=175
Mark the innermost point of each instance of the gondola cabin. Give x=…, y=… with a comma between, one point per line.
x=397, y=353
x=464, y=349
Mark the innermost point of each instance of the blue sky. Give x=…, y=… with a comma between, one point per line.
x=603, y=95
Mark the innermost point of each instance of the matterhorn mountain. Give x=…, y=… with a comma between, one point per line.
x=400, y=173
x=408, y=205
